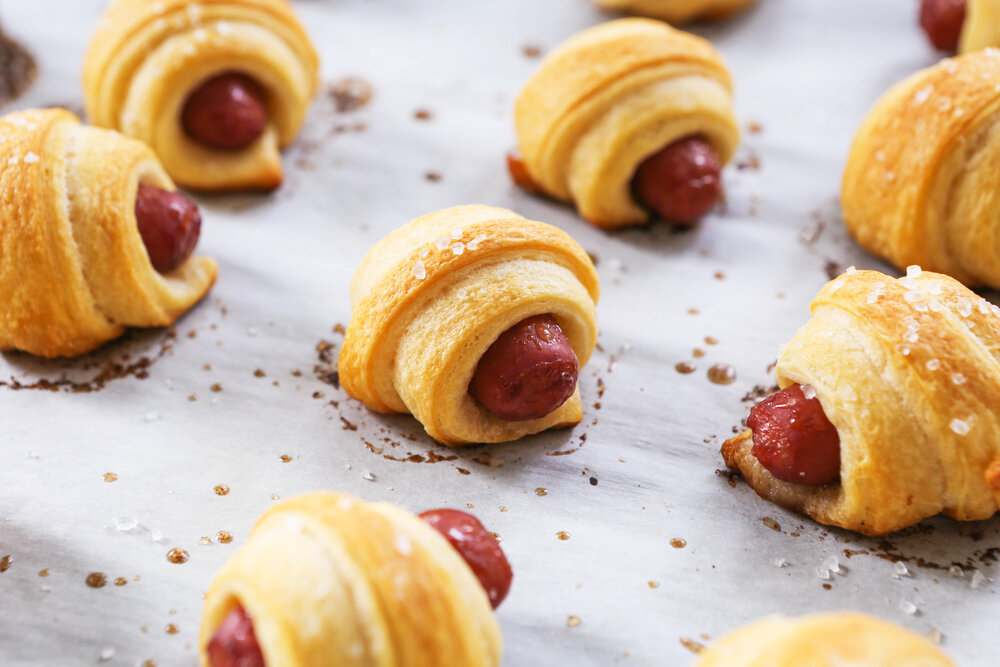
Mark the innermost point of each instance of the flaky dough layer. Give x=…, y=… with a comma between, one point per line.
x=609, y=98
x=823, y=640
x=74, y=271
x=431, y=297
x=146, y=58
x=678, y=11
x=332, y=581
x=920, y=185
x=981, y=29
x=908, y=371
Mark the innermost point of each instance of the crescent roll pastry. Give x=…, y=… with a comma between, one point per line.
x=678, y=11
x=73, y=267
x=907, y=374
x=328, y=580
x=920, y=181
x=613, y=97
x=216, y=87
x=433, y=304
x=823, y=640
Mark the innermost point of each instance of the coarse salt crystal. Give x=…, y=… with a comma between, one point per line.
x=956, y=571
x=837, y=284
x=903, y=350
x=923, y=94
x=13, y=160
x=369, y=476
x=45, y=588
x=808, y=391
x=156, y=535
x=832, y=564
x=933, y=364
x=403, y=545
x=890, y=176
x=908, y=607
x=880, y=156
x=474, y=243
x=958, y=426
x=457, y=248
x=908, y=282
x=125, y=523
x=456, y=233
x=780, y=562
x=977, y=579
x=152, y=416
x=900, y=569
x=958, y=378
x=911, y=336
x=851, y=269
x=442, y=242
x=934, y=635
x=424, y=252
x=913, y=271
x=223, y=28
x=419, y=270
x=823, y=573
x=31, y=158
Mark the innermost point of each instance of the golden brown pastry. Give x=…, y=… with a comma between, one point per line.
x=74, y=270
x=678, y=11
x=443, y=309
x=823, y=640
x=327, y=580
x=898, y=380
x=919, y=185
x=982, y=26
x=607, y=108
x=215, y=87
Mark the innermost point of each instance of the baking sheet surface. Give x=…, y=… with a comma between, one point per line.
x=662, y=551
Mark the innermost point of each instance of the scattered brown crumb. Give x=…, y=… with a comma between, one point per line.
x=751, y=161
x=110, y=477
x=573, y=621
x=771, y=523
x=753, y=127
x=433, y=176
x=423, y=114
x=259, y=373
x=562, y=535
x=531, y=50
x=693, y=646
x=216, y=387
x=350, y=93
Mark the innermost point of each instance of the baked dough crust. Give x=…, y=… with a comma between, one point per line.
x=823, y=640
x=981, y=29
x=908, y=371
x=678, y=11
x=920, y=185
x=431, y=297
x=74, y=271
x=612, y=96
x=332, y=581
x=146, y=58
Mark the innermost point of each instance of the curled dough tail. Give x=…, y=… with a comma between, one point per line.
x=332, y=581
x=610, y=97
x=146, y=58
x=432, y=296
x=920, y=185
x=73, y=268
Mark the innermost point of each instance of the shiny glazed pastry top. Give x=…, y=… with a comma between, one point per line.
x=476, y=321
x=628, y=120
x=215, y=87
x=678, y=11
x=823, y=640
x=93, y=238
x=919, y=187
x=328, y=580
x=887, y=413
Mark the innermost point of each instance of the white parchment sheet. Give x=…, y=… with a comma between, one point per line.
x=237, y=388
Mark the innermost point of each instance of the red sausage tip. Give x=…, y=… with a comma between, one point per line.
x=169, y=224
x=943, y=20
x=478, y=547
x=793, y=438
x=234, y=643
x=682, y=182
x=528, y=372
x=226, y=112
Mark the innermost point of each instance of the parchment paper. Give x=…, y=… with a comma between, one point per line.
x=643, y=466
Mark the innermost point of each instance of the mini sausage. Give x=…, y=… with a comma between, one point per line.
x=793, y=438
x=682, y=182
x=942, y=20
x=528, y=372
x=169, y=224
x=234, y=643
x=478, y=547
x=227, y=112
